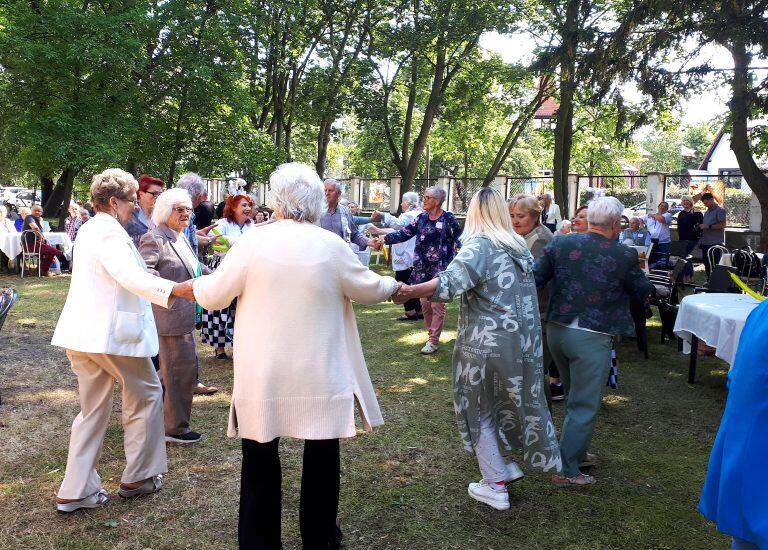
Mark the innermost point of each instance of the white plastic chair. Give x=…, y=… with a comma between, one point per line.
x=30, y=256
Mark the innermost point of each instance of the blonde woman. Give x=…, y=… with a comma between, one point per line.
x=499, y=379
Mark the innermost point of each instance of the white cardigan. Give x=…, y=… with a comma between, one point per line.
x=108, y=306
x=300, y=370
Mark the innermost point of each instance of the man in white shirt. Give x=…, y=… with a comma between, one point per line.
x=658, y=227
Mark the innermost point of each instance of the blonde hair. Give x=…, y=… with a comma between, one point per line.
x=488, y=216
x=529, y=202
x=111, y=183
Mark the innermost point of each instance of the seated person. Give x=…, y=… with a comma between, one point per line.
x=635, y=234
x=33, y=223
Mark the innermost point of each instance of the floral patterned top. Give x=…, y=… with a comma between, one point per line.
x=594, y=278
x=436, y=244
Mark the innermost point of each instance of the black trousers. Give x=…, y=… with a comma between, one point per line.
x=261, y=495
x=404, y=276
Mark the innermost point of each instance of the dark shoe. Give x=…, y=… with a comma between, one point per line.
x=221, y=356
x=184, y=439
x=202, y=389
x=557, y=391
x=410, y=318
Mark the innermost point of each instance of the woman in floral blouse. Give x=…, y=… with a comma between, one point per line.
x=437, y=235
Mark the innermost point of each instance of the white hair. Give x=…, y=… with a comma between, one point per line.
x=439, y=193
x=193, y=184
x=335, y=183
x=167, y=201
x=111, y=183
x=296, y=193
x=565, y=223
x=411, y=198
x=604, y=211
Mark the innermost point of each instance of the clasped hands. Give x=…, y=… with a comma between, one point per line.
x=402, y=294
x=376, y=242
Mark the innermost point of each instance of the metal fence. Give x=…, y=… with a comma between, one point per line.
x=531, y=185
x=461, y=192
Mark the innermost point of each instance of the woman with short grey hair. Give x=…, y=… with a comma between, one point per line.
x=593, y=278
x=168, y=254
x=299, y=374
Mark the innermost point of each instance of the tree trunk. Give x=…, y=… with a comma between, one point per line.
x=66, y=181
x=739, y=105
x=46, y=191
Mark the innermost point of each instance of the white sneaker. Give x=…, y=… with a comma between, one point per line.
x=429, y=348
x=482, y=492
x=514, y=473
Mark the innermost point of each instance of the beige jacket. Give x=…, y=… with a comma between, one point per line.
x=108, y=304
x=299, y=370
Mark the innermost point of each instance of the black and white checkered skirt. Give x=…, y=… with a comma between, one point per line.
x=219, y=324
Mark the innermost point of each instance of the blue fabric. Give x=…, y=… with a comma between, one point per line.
x=735, y=493
x=191, y=232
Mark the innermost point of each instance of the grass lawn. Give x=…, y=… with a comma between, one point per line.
x=403, y=486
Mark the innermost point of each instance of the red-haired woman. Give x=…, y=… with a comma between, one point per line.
x=219, y=324
x=141, y=222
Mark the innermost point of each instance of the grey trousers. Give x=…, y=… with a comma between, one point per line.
x=178, y=373
x=584, y=360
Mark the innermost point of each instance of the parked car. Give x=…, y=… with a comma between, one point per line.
x=25, y=199
x=9, y=193
x=641, y=209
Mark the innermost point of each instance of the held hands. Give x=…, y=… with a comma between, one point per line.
x=376, y=216
x=375, y=242
x=403, y=294
x=184, y=290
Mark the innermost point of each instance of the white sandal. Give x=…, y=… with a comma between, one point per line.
x=95, y=500
x=152, y=485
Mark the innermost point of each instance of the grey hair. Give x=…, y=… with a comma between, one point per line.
x=529, y=203
x=686, y=198
x=167, y=201
x=296, y=193
x=604, y=211
x=335, y=183
x=411, y=198
x=547, y=195
x=193, y=183
x=111, y=183
x=439, y=193
x=344, y=202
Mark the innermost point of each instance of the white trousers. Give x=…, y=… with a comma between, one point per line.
x=492, y=465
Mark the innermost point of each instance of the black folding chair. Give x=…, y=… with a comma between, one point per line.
x=719, y=281
x=667, y=287
x=8, y=297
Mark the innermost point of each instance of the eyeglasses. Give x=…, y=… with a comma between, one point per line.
x=153, y=193
x=132, y=201
x=182, y=210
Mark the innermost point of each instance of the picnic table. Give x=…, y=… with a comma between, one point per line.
x=716, y=319
x=10, y=243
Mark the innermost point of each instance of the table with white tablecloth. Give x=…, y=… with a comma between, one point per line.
x=716, y=319
x=10, y=243
x=727, y=259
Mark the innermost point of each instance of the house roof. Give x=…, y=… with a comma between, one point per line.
x=711, y=150
x=547, y=109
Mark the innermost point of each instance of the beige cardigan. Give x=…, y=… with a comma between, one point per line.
x=299, y=365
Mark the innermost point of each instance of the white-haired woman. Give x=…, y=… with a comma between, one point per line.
x=593, y=277
x=499, y=380
x=168, y=254
x=402, y=253
x=72, y=223
x=550, y=213
x=115, y=343
x=309, y=372
x=6, y=227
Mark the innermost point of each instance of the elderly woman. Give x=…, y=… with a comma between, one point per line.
x=110, y=282
x=526, y=211
x=635, y=234
x=565, y=228
x=149, y=189
x=402, y=253
x=497, y=361
x=594, y=277
x=550, y=213
x=219, y=324
x=437, y=235
x=6, y=226
x=169, y=255
x=309, y=373
x=579, y=222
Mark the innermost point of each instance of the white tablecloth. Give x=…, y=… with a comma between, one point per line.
x=10, y=243
x=716, y=319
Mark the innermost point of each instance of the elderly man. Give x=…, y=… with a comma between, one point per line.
x=198, y=192
x=437, y=239
x=34, y=239
x=550, y=213
x=635, y=233
x=712, y=228
x=593, y=278
x=149, y=189
x=338, y=219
